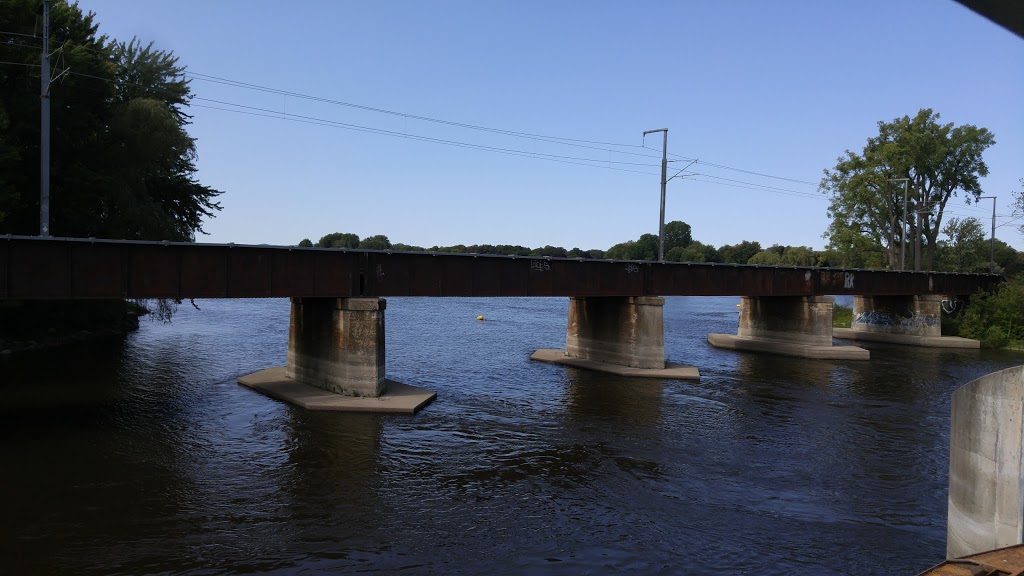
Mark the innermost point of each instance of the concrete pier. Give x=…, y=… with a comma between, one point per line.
x=336, y=360
x=337, y=344
x=620, y=335
x=986, y=464
x=911, y=320
x=787, y=325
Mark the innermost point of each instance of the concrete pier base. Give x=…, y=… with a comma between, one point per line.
x=399, y=398
x=617, y=335
x=783, y=348
x=906, y=339
x=910, y=320
x=671, y=371
x=336, y=360
x=798, y=326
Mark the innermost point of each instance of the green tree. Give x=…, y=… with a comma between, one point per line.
x=305, y=243
x=122, y=162
x=738, y=253
x=941, y=160
x=406, y=248
x=556, y=251
x=338, y=240
x=378, y=242
x=965, y=249
x=677, y=235
x=996, y=319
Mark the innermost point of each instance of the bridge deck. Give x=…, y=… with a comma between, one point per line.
x=34, y=268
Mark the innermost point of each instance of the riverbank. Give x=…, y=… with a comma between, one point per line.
x=33, y=326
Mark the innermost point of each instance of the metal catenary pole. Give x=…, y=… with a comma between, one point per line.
x=44, y=128
x=664, y=180
x=992, y=240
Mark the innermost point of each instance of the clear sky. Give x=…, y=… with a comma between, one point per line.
x=779, y=88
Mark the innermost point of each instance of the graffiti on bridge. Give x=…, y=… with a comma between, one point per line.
x=913, y=320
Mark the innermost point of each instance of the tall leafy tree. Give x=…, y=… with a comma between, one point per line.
x=122, y=162
x=966, y=249
x=941, y=161
x=738, y=253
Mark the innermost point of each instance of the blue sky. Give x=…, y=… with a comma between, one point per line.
x=779, y=88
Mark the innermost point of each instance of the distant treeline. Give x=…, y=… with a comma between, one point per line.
x=681, y=247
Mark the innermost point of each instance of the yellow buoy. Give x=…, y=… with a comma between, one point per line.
x=480, y=317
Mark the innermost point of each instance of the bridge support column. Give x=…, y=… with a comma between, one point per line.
x=787, y=325
x=337, y=344
x=620, y=335
x=336, y=360
x=914, y=320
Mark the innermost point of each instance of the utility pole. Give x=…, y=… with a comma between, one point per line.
x=903, y=233
x=992, y=241
x=44, y=129
x=664, y=180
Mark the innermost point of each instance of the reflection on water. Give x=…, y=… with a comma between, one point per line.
x=142, y=455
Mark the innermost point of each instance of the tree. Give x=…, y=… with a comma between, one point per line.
x=378, y=242
x=940, y=161
x=122, y=162
x=305, y=243
x=965, y=250
x=785, y=256
x=677, y=235
x=338, y=240
x=738, y=253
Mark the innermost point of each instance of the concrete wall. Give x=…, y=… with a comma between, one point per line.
x=802, y=319
x=629, y=331
x=912, y=315
x=337, y=344
x=986, y=481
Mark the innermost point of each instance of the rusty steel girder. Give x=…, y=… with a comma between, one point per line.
x=33, y=268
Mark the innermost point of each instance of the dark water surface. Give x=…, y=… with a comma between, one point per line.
x=144, y=455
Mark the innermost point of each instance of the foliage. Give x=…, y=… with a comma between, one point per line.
x=785, y=256
x=338, y=240
x=694, y=252
x=122, y=162
x=996, y=319
x=378, y=242
x=305, y=243
x=842, y=316
x=738, y=253
x=939, y=160
x=966, y=249
x=549, y=250
x=677, y=235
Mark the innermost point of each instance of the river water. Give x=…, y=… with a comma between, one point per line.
x=143, y=455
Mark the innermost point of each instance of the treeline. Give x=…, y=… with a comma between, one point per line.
x=679, y=247
x=966, y=250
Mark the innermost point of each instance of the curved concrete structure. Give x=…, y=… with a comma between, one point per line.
x=986, y=477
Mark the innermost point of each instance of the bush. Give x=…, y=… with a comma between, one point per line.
x=842, y=316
